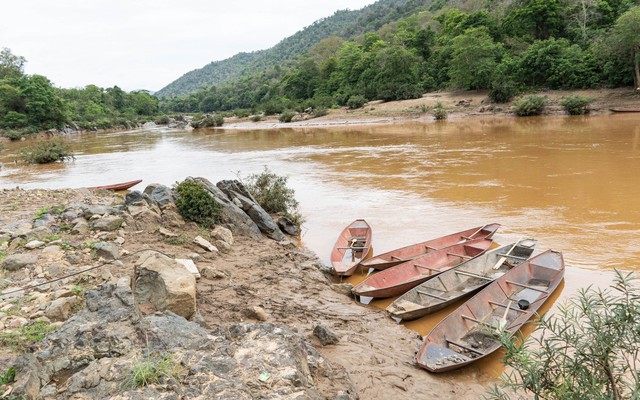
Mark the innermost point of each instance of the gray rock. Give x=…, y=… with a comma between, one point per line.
x=92, y=210
x=60, y=309
x=221, y=233
x=107, y=223
x=232, y=216
x=211, y=273
x=39, y=233
x=45, y=220
x=17, y=228
x=34, y=244
x=236, y=190
x=167, y=285
x=18, y=261
x=52, y=249
x=325, y=336
x=202, y=242
x=134, y=198
x=108, y=251
x=80, y=228
x=288, y=227
x=145, y=218
x=223, y=246
x=162, y=196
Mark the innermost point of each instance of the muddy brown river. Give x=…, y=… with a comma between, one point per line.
x=570, y=182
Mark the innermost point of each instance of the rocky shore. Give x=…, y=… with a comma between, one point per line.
x=119, y=285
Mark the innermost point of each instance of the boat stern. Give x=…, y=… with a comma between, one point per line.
x=436, y=358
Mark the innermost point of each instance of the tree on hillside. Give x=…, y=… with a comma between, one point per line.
x=10, y=65
x=474, y=58
x=43, y=106
x=536, y=19
x=624, y=41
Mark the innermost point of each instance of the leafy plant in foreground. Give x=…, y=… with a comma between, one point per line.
x=195, y=204
x=589, y=350
x=576, y=104
x=47, y=152
x=530, y=105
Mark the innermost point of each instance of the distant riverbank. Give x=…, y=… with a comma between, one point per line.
x=458, y=104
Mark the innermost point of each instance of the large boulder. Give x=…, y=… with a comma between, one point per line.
x=18, y=261
x=165, y=284
x=236, y=191
x=232, y=215
x=107, y=223
x=162, y=195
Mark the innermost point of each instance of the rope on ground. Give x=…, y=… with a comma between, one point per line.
x=29, y=287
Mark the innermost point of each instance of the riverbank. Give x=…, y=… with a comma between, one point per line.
x=459, y=105
x=270, y=319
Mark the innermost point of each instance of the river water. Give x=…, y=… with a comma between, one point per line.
x=570, y=182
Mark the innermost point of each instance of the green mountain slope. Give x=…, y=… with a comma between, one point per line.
x=346, y=24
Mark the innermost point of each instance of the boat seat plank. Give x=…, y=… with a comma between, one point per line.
x=473, y=275
x=459, y=255
x=431, y=295
x=462, y=346
x=425, y=267
x=526, y=286
x=430, y=248
x=512, y=256
x=510, y=308
x=352, y=248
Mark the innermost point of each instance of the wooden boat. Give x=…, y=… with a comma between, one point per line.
x=352, y=246
x=472, y=331
x=396, y=280
x=404, y=254
x=463, y=280
x=625, y=109
x=116, y=186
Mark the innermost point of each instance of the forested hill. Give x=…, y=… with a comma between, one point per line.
x=346, y=24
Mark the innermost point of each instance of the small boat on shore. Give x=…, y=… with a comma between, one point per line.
x=473, y=331
x=352, y=246
x=463, y=280
x=397, y=280
x=404, y=254
x=117, y=186
x=625, y=109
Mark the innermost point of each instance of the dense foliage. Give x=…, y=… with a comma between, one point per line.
x=30, y=103
x=588, y=350
x=47, y=151
x=195, y=204
x=420, y=46
x=273, y=194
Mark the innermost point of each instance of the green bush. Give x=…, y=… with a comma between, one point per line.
x=256, y=118
x=195, y=204
x=576, y=104
x=241, y=113
x=587, y=350
x=163, y=120
x=14, y=120
x=530, y=105
x=8, y=376
x=12, y=134
x=47, y=152
x=218, y=120
x=272, y=193
x=502, y=91
x=319, y=112
x=439, y=113
x=273, y=107
x=356, y=101
x=286, y=116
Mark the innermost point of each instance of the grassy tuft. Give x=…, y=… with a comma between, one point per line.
x=154, y=368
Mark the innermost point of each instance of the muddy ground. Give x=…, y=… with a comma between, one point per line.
x=288, y=282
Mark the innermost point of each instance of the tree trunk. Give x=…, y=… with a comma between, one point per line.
x=636, y=71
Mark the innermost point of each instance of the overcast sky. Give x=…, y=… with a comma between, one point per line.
x=146, y=44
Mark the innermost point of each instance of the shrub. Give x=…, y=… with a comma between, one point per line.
x=588, y=350
x=286, y=116
x=530, y=105
x=319, y=112
x=47, y=152
x=439, y=113
x=502, y=91
x=163, y=120
x=152, y=368
x=272, y=193
x=195, y=204
x=356, y=101
x=218, y=120
x=8, y=376
x=14, y=119
x=256, y=118
x=273, y=107
x=14, y=134
x=243, y=113
x=576, y=104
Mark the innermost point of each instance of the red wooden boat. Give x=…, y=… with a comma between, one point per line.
x=473, y=330
x=397, y=280
x=404, y=254
x=625, y=109
x=116, y=186
x=352, y=246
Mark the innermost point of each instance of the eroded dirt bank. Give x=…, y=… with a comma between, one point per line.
x=255, y=297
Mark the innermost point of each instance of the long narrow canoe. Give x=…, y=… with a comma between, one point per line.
x=625, y=109
x=117, y=186
x=404, y=254
x=472, y=331
x=463, y=280
x=396, y=280
x=352, y=246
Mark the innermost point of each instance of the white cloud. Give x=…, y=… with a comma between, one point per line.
x=146, y=44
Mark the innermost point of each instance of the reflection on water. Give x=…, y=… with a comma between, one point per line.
x=570, y=182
